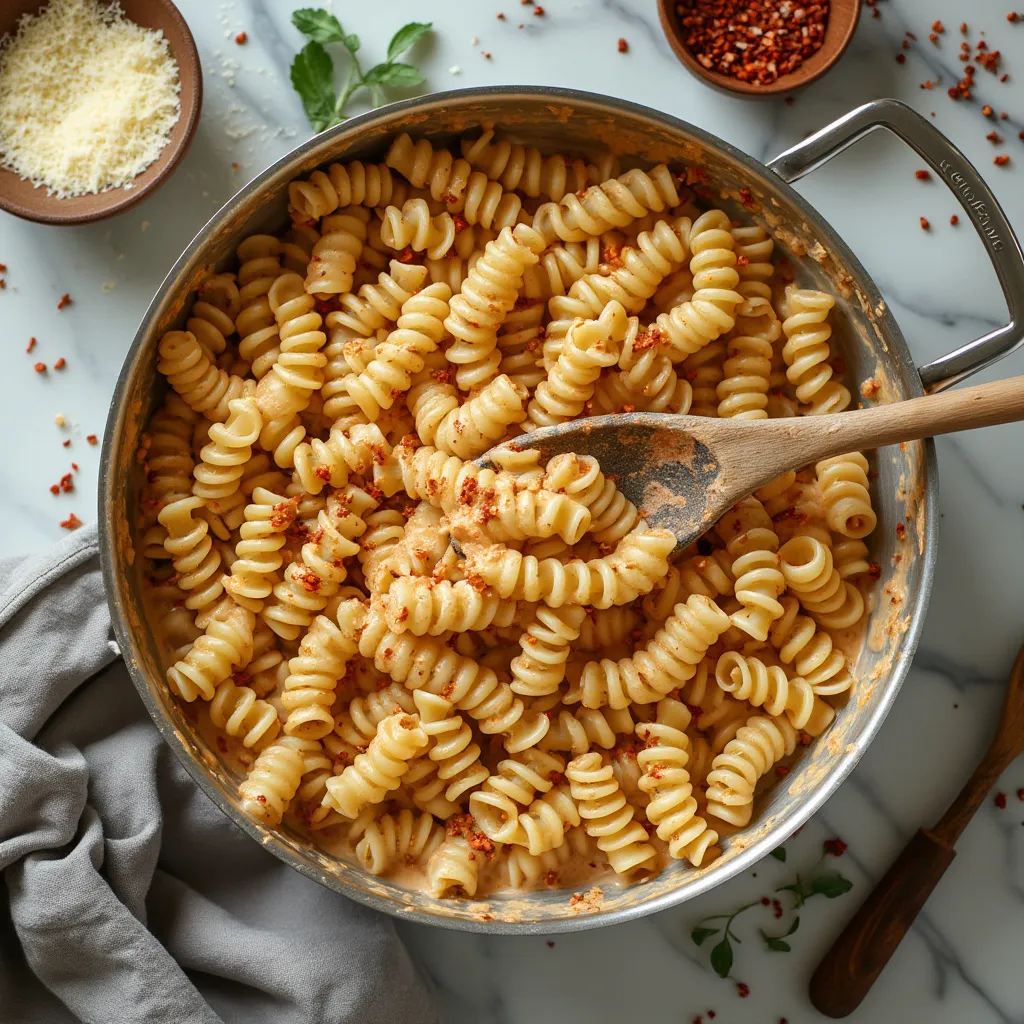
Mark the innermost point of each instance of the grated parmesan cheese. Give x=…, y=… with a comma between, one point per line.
x=87, y=98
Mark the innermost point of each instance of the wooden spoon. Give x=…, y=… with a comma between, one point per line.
x=857, y=957
x=685, y=472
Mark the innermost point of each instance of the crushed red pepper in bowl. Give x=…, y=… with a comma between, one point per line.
x=759, y=46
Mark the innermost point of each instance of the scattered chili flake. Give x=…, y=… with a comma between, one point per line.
x=711, y=1014
x=910, y=35
x=765, y=901
x=538, y=11
x=65, y=300
x=933, y=38
x=31, y=344
x=781, y=770
x=901, y=531
x=1000, y=800
x=905, y=45
x=460, y=222
x=874, y=570
x=92, y=439
x=54, y=489
x=501, y=17
x=954, y=220
x=697, y=1020
x=1020, y=135
x=236, y=167
x=835, y=847
x=60, y=363
x=241, y=39
x=66, y=443
x=1012, y=16
x=923, y=175
x=994, y=137
x=622, y=46
x=901, y=58
x=986, y=110
x=40, y=367
x=71, y=523
x=925, y=226
x=742, y=989
x=486, y=54
x=876, y=13
x=789, y=101
x=963, y=28
x=937, y=26
x=1004, y=78
x=1002, y=160
x=551, y=945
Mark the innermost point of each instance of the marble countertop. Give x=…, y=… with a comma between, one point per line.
x=961, y=963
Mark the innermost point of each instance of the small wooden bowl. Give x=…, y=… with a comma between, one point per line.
x=19, y=197
x=842, y=20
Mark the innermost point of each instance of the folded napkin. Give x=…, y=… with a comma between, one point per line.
x=129, y=895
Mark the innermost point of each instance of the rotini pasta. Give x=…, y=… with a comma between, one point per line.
x=807, y=351
x=843, y=481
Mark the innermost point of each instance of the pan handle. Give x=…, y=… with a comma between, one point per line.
x=971, y=192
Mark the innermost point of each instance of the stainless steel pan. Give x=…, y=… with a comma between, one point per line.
x=906, y=489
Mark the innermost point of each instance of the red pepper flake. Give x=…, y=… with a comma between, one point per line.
x=901, y=58
x=994, y=137
x=1020, y=794
x=65, y=300
x=1003, y=115
x=742, y=989
x=781, y=770
x=901, y=532
x=963, y=28
x=1012, y=16
x=66, y=443
x=460, y=222
x=910, y=35
x=755, y=43
x=923, y=175
x=697, y=1020
x=905, y=45
x=835, y=847
x=987, y=111
x=71, y=523
x=40, y=367
x=925, y=226
x=954, y=220
x=74, y=466
x=937, y=26
x=789, y=101
x=538, y=11
x=501, y=17
x=1002, y=160
x=765, y=901
x=60, y=364
x=876, y=13
x=241, y=39
x=31, y=344
x=1004, y=78
x=66, y=484
x=3, y=268
x=711, y=1014
x=933, y=38
x=486, y=54
x=622, y=46
x=551, y=945
x=1000, y=800
x=92, y=439
x=54, y=489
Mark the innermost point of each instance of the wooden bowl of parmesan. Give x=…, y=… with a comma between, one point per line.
x=98, y=104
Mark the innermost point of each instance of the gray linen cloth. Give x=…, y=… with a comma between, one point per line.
x=129, y=896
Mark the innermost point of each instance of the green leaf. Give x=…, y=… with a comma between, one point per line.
x=312, y=74
x=393, y=74
x=793, y=927
x=776, y=945
x=319, y=25
x=700, y=934
x=830, y=886
x=721, y=958
x=405, y=37
x=779, y=853
x=351, y=43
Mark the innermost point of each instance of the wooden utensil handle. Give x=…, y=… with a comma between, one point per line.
x=857, y=957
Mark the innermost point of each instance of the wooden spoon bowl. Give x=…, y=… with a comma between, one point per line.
x=21, y=198
x=842, y=21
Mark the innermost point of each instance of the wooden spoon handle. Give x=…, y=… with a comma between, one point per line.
x=984, y=405
x=850, y=967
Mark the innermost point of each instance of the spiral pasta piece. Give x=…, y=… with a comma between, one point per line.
x=238, y=711
x=525, y=869
x=419, y=329
x=754, y=260
x=190, y=547
x=704, y=370
x=769, y=686
x=580, y=478
x=647, y=379
x=692, y=325
x=480, y=423
x=360, y=450
x=589, y=346
x=639, y=560
x=807, y=351
x=601, y=628
x=560, y=267
x=613, y=203
x=453, y=182
x=453, y=868
x=756, y=748
x=222, y=462
x=351, y=184
x=357, y=724
x=425, y=606
x=751, y=541
x=810, y=573
x=743, y=390
x=499, y=801
x=487, y=295
x=585, y=728
x=666, y=662
x=272, y=781
x=843, y=481
x=257, y=553
x=166, y=457
x=405, y=837
x=226, y=644
x=543, y=825
x=204, y=388
x=811, y=652
x=525, y=168
x=259, y=259
x=413, y=227
x=428, y=663
x=452, y=745
x=607, y=816
x=379, y=770
x=212, y=317
x=313, y=674
x=337, y=251
x=545, y=643
x=672, y=808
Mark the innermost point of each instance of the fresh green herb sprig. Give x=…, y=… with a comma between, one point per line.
x=312, y=71
x=829, y=885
